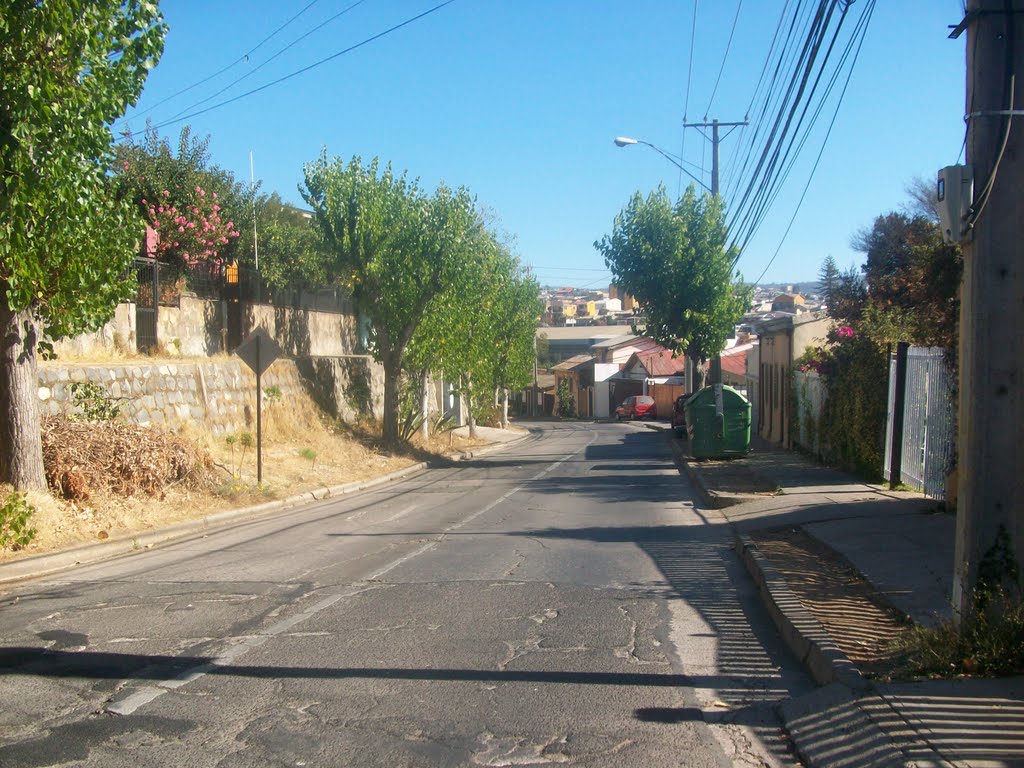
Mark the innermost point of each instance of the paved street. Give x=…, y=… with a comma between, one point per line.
x=559, y=602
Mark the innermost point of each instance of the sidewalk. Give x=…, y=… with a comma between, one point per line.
x=840, y=565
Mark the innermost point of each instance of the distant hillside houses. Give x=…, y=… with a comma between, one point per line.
x=582, y=307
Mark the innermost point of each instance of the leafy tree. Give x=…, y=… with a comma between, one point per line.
x=291, y=246
x=195, y=206
x=675, y=261
x=828, y=279
x=849, y=298
x=67, y=71
x=457, y=336
x=913, y=278
x=394, y=247
x=515, y=323
x=924, y=200
x=566, y=403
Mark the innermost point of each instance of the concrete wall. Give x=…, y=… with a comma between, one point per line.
x=221, y=393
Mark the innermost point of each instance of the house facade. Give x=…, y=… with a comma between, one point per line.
x=781, y=341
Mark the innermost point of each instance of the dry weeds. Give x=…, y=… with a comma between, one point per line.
x=121, y=479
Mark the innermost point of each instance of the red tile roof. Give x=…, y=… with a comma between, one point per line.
x=658, y=362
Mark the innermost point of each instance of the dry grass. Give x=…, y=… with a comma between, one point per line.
x=133, y=476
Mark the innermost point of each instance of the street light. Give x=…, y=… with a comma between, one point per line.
x=625, y=141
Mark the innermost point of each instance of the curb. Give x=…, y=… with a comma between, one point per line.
x=47, y=564
x=800, y=630
x=711, y=499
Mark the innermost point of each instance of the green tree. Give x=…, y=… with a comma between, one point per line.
x=195, y=206
x=67, y=71
x=566, y=403
x=675, y=261
x=291, y=246
x=457, y=336
x=828, y=279
x=394, y=247
x=516, y=313
x=913, y=279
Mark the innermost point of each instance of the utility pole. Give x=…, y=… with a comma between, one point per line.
x=715, y=139
x=990, y=503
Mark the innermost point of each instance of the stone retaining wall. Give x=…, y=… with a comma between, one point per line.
x=221, y=394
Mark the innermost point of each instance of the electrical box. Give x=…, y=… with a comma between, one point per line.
x=955, y=195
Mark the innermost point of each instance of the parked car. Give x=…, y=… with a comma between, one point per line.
x=679, y=415
x=637, y=407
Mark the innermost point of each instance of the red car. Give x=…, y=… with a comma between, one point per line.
x=637, y=407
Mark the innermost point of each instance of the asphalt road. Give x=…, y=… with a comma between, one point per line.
x=560, y=602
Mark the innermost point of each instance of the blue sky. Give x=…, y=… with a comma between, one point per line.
x=519, y=100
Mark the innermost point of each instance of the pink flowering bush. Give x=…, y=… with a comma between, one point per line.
x=191, y=232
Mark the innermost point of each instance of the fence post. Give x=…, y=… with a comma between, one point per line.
x=898, y=409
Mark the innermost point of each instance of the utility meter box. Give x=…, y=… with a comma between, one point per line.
x=955, y=195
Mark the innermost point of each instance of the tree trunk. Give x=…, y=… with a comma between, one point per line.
x=504, y=408
x=425, y=406
x=392, y=381
x=21, y=447
x=468, y=399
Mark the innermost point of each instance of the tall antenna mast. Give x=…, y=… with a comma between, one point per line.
x=252, y=186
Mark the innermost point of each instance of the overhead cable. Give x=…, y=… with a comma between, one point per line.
x=244, y=57
x=314, y=65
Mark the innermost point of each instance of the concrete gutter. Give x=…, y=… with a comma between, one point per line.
x=55, y=562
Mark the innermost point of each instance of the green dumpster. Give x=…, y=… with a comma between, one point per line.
x=718, y=423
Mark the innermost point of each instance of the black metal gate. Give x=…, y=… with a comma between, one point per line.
x=147, y=304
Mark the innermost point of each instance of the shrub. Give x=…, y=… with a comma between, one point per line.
x=566, y=405
x=988, y=643
x=15, y=532
x=94, y=402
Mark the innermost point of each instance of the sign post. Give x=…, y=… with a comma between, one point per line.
x=258, y=350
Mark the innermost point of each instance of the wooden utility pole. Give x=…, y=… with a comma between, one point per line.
x=715, y=371
x=991, y=396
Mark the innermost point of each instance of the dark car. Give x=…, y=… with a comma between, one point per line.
x=679, y=416
x=637, y=407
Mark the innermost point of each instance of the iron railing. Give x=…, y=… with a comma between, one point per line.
x=929, y=421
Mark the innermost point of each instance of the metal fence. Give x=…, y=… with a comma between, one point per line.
x=929, y=421
x=810, y=393
x=162, y=284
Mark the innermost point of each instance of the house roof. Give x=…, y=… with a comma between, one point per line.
x=789, y=298
x=574, y=363
x=584, y=332
x=734, y=360
x=657, y=362
x=641, y=342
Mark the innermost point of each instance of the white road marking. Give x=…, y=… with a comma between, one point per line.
x=238, y=646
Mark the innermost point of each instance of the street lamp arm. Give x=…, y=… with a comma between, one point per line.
x=625, y=142
x=675, y=162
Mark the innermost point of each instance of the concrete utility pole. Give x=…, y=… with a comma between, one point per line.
x=991, y=398
x=715, y=372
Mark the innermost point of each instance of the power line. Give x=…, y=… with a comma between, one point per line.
x=867, y=18
x=721, y=69
x=754, y=93
x=772, y=178
x=686, y=101
x=252, y=72
x=780, y=181
x=810, y=82
x=305, y=69
x=244, y=57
